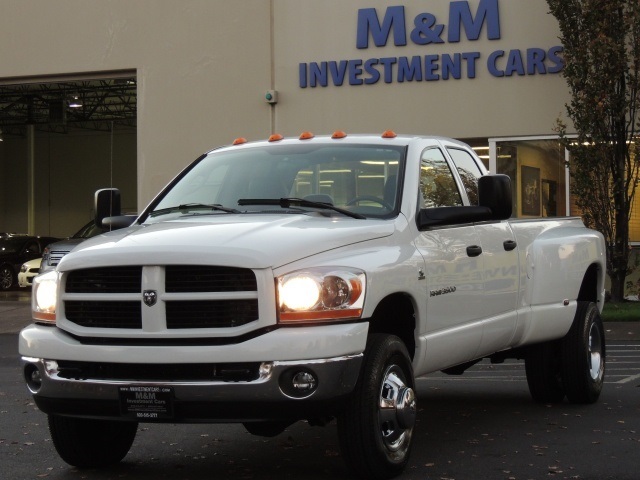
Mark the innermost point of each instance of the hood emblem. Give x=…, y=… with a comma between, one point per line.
x=150, y=297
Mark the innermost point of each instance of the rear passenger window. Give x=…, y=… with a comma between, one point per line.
x=437, y=185
x=469, y=172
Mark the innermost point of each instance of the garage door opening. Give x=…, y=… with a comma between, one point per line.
x=62, y=139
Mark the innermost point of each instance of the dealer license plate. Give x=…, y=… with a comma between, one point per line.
x=146, y=403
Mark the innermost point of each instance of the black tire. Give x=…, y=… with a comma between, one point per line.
x=376, y=427
x=583, y=355
x=544, y=372
x=88, y=443
x=7, y=277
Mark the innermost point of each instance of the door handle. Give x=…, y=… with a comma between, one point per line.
x=509, y=245
x=474, y=250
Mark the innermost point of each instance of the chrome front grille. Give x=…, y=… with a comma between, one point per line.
x=183, y=297
x=55, y=256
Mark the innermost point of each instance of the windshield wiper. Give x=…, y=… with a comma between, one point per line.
x=298, y=202
x=194, y=206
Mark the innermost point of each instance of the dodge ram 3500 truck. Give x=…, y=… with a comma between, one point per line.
x=310, y=278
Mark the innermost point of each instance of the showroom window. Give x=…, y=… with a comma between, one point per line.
x=538, y=175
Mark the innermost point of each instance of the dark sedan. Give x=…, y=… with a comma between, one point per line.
x=15, y=249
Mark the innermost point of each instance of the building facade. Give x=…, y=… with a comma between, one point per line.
x=207, y=71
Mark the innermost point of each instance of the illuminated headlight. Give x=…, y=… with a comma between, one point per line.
x=320, y=294
x=44, y=297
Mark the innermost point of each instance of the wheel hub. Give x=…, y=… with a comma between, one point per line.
x=397, y=410
x=595, y=352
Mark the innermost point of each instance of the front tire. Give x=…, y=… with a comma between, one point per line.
x=376, y=427
x=88, y=443
x=583, y=355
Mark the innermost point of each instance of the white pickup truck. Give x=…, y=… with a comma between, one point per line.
x=310, y=278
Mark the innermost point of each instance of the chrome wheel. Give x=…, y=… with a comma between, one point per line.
x=397, y=411
x=584, y=355
x=376, y=425
x=595, y=352
x=6, y=278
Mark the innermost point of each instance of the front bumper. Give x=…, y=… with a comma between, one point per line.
x=93, y=387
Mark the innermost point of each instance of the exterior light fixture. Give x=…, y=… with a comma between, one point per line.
x=74, y=101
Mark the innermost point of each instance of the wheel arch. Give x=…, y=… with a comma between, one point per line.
x=396, y=315
x=592, y=285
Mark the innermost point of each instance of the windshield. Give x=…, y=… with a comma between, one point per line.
x=334, y=180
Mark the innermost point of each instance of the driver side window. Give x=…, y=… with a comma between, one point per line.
x=437, y=184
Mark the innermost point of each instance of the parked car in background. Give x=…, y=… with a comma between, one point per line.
x=16, y=249
x=28, y=270
x=53, y=253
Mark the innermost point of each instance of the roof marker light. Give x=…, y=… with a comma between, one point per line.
x=389, y=134
x=306, y=136
x=239, y=141
x=276, y=137
x=338, y=134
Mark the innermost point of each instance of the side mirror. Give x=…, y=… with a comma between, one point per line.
x=494, y=198
x=494, y=192
x=107, y=204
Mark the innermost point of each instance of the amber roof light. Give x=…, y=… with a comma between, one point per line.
x=338, y=134
x=306, y=136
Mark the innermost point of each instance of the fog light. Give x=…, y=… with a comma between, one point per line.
x=33, y=378
x=298, y=384
x=304, y=382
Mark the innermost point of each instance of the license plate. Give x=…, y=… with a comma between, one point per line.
x=146, y=403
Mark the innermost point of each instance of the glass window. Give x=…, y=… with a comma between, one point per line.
x=538, y=176
x=359, y=178
x=468, y=170
x=437, y=185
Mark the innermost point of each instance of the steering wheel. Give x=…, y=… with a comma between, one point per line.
x=369, y=198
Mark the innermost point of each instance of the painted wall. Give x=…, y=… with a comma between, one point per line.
x=203, y=67
x=483, y=106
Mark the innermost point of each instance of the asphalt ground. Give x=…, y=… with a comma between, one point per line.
x=481, y=425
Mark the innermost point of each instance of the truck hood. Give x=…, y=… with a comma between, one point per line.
x=250, y=241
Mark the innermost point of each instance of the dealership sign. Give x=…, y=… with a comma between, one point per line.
x=376, y=29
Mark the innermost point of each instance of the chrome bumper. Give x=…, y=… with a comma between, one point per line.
x=211, y=400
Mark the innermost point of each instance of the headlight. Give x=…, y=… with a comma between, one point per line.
x=44, y=297
x=320, y=294
x=23, y=268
